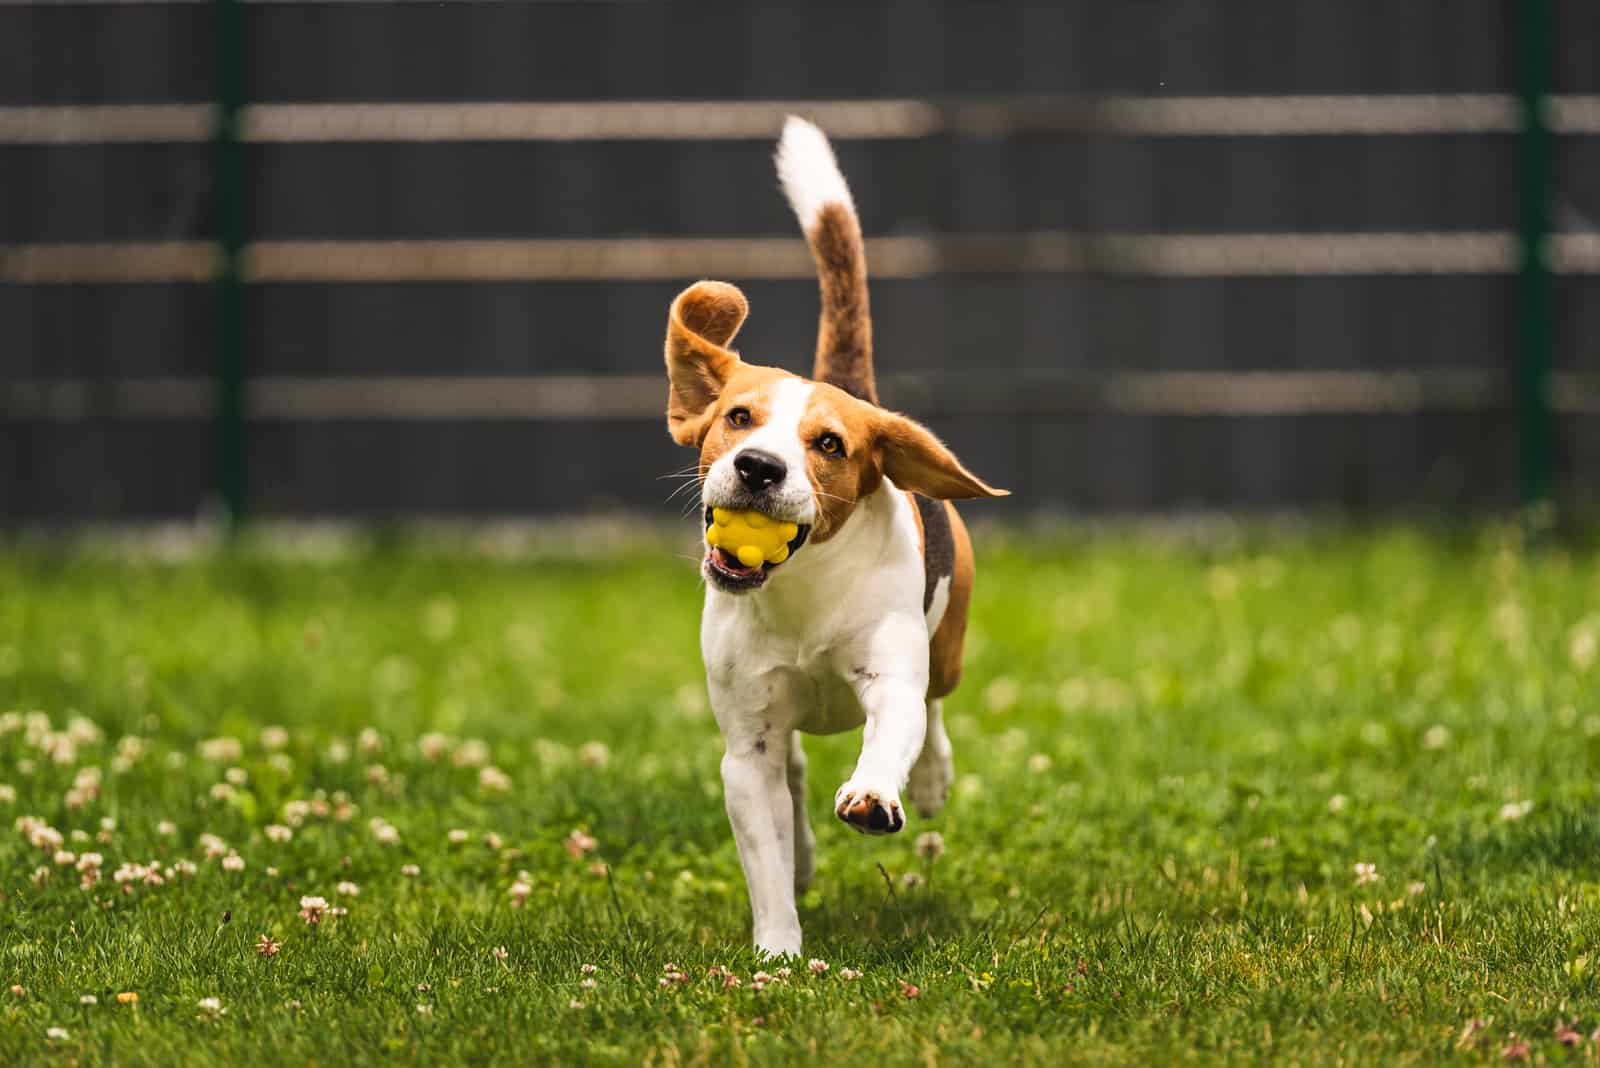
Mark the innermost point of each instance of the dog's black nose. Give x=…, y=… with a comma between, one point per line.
x=758, y=470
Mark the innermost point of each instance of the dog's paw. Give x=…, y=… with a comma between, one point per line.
x=867, y=810
x=778, y=944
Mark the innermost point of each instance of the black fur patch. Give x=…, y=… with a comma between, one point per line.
x=938, y=546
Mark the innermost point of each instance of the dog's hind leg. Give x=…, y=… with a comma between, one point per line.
x=805, y=844
x=929, y=783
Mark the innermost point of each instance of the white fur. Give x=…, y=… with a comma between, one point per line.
x=938, y=604
x=808, y=171
x=780, y=436
x=835, y=640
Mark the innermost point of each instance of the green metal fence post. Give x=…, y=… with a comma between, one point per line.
x=1535, y=303
x=228, y=211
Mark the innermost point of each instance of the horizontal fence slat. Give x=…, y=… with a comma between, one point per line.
x=642, y=397
x=622, y=259
x=1371, y=115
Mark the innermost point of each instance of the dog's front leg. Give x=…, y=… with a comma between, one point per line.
x=756, y=790
x=889, y=673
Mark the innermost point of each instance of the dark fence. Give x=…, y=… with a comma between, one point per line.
x=1142, y=255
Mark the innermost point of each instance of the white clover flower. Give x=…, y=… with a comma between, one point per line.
x=471, y=753
x=1512, y=811
x=594, y=754
x=65, y=858
x=578, y=843
x=433, y=746
x=45, y=837
x=385, y=832
x=410, y=871
x=220, y=750
x=233, y=862
x=211, y=1007
x=930, y=845
x=492, y=778
x=347, y=889
x=88, y=999
x=274, y=737
x=456, y=836
x=57, y=1034
x=277, y=832
x=166, y=828
x=1366, y=873
x=816, y=966
x=312, y=908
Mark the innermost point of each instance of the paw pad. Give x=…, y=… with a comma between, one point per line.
x=869, y=814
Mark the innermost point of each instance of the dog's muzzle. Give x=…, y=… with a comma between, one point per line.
x=724, y=570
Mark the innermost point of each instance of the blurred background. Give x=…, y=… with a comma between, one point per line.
x=382, y=260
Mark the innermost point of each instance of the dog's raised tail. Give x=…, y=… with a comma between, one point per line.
x=821, y=200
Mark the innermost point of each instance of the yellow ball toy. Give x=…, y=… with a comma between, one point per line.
x=754, y=538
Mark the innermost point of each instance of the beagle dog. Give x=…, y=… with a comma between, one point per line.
x=861, y=624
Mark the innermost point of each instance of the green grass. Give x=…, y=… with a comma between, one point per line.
x=1171, y=755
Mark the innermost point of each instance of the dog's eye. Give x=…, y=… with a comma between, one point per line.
x=739, y=417
x=830, y=444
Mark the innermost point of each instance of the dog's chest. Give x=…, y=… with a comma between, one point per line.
x=769, y=677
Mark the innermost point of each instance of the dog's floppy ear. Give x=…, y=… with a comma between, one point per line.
x=916, y=460
x=702, y=321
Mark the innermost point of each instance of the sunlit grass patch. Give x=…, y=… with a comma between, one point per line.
x=1322, y=797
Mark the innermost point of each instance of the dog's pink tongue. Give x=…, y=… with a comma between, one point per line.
x=731, y=563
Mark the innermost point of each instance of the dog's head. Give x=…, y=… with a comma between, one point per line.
x=788, y=447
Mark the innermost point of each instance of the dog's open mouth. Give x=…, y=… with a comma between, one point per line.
x=731, y=574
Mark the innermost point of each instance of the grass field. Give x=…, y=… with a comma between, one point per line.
x=1175, y=761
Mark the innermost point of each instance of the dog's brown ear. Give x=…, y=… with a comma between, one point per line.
x=916, y=460
x=702, y=321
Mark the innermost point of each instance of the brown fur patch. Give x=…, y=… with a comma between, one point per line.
x=844, y=329
x=944, y=649
x=838, y=482
x=700, y=323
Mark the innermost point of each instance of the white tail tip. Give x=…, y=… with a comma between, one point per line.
x=808, y=171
